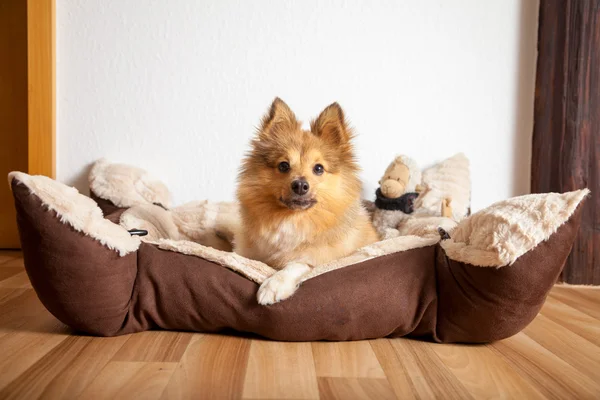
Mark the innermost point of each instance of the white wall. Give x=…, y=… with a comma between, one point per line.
x=177, y=87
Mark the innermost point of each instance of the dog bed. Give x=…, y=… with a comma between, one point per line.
x=485, y=283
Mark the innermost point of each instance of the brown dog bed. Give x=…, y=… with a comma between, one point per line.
x=487, y=282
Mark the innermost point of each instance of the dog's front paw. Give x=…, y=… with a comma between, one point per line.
x=276, y=288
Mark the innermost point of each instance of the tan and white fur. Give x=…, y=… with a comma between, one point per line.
x=299, y=196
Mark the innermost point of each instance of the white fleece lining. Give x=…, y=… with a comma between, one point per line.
x=157, y=221
x=127, y=186
x=501, y=233
x=378, y=249
x=448, y=179
x=79, y=211
x=254, y=270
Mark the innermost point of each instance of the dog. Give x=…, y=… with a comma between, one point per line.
x=299, y=196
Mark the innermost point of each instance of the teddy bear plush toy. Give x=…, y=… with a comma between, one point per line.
x=401, y=176
x=396, y=195
x=411, y=202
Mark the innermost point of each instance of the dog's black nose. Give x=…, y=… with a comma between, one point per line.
x=300, y=187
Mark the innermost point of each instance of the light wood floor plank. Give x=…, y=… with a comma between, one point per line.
x=21, y=349
x=17, y=281
x=576, y=321
x=8, y=272
x=578, y=299
x=483, y=374
x=429, y=376
x=84, y=368
x=32, y=382
x=130, y=380
x=552, y=376
x=355, y=388
x=160, y=346
x=591, y=291
x=24, y=312
x=7, y=294
x=280, y=371
x=395, y=369
x=13, y=263
x=570, y=347
x=212, y=367
x=346, y=360
x=6, y=256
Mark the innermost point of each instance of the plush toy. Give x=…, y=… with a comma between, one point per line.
x=445, y=189
x=148, y=207
x=401, y=176
x=409, y=202
x=395, y=196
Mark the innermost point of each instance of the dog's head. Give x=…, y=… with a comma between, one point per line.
x=291, y=169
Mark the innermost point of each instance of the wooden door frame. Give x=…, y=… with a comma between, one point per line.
x=27, y=97
x=566, y=135
x=41, y=82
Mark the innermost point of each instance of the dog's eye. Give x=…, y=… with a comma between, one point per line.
x=318, y=169
x=284, y=166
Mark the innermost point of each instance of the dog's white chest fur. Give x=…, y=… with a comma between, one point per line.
x=271, y=244
x=286, y=237
x=283, y=239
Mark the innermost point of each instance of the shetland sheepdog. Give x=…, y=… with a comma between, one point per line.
x=299, y=195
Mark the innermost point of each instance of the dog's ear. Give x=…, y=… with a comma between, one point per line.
x=331, y=125
x=279, y=118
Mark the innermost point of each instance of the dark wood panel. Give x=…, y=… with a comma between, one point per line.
x=13, y=110
x=566, y=137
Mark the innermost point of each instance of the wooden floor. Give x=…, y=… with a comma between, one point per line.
x=557, y=356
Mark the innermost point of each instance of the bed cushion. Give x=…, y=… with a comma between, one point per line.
x=113, y=287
